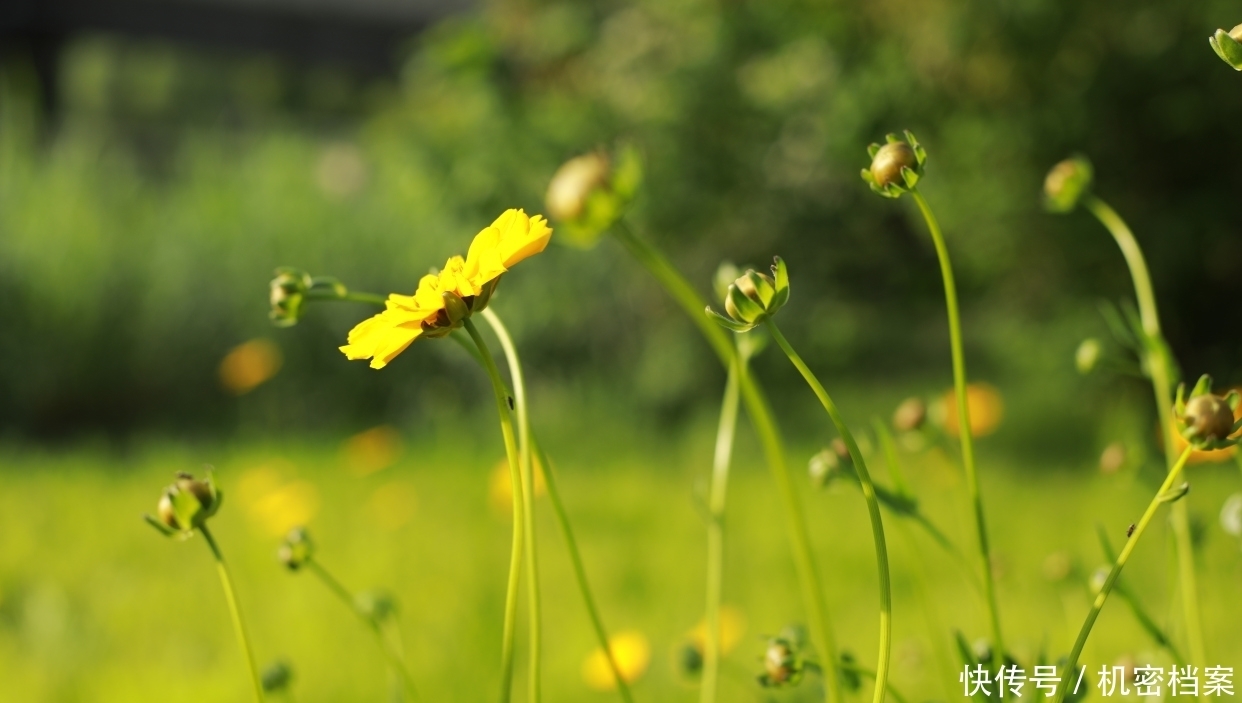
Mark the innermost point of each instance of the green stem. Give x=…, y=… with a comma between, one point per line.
x=1136, y=608
x=575, y=557
x=395, y=661
x=890, y=456
x=235, y=610
x=1115, y=572
x=528, y=494
x=872, y=675
x=1159, y=364
x=963, y=423
x=769, y=435
x=349, y=297
x=717, y=495
x=873, y=509
x=515, y=475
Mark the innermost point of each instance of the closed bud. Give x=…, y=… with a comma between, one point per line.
x=754, y=297
x=574, y=183
x=288, y=292
x=1209, y=417
x=896, y=166
x=186, y=504
x=296, y=550
x=910, y=415
x=781, y=664
x=377, y=606
x=1087, y=355
x=1066, y=184
x=824, y=468
x=277, y=677
x=1228, y=46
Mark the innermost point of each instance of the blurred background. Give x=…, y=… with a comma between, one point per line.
x=159, y=159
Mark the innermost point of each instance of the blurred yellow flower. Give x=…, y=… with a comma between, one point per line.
x=275, y=504
x=372, y=450
x=986, y=406
x=632, y=653
x=249, y=365
x=432, y=310
x=732, y=627
x=392, y=504
x=500, y=486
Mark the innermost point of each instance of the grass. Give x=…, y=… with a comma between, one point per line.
x=94, y=605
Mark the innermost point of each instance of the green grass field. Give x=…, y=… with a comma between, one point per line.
x=95, y=606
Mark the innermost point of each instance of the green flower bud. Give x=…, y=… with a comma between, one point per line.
x=288, y=291
x=824, y=468
x=376, y=606
x=1087, y=355
x=1067, y=183
x=589, y=192
x=782, y=665
x=1231, y=515
x=753, y=298
x=1228, y=46
x=296, y=550
x=185, y=505
x=276, y=677
x=896, y=166
x=910, y=415
x=1206, y=421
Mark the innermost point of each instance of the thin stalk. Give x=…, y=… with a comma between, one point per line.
x=769, y=436
x=515, y=475
x=562, y=519
x=1136, y=608
x=963, y=423
x=395, y=661
x=1160, y=369
x=873, y=509
x=239, y=625
x=890, y=457
x=863, y=671
x=349, y=297
x=528, y=494
x=1115, y=572
x=716, y=497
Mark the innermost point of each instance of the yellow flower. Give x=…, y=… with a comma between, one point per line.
x=986, y=407
x=249, y=365
x=632, y=653
x=732, y=626
x=444, y=299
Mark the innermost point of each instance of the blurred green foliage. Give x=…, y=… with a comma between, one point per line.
x=139, y=227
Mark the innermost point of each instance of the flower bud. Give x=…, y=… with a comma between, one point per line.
x=589, y=192
x=1113, y=458
x=288, y=291
x=910, y=415
x=296, y=550
x=1231, y=515
x=1066, y=184
x=726, y=274
x=1228, y=46
x=896, y=166
x=574, y=183
x=1208, y=416
x=753, y=298
x=781, y=664
x=276, y=677
x=824, y=468
x=376, y=606
x=186, y=504
x=1087, y=355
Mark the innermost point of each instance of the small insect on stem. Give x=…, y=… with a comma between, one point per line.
x=1130, y=530
x=511, y=405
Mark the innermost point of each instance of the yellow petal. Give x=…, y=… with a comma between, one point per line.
x=483, y=260
x=383, y=336
x=632, y=654
x=521, y=236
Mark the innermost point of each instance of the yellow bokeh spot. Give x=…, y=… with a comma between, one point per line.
x=392, y=504
x=275, y=503
x=500, y=486
x=732, y=627
x=372, y=450
x=986, y=406
x=632, y=653
x=247, y=366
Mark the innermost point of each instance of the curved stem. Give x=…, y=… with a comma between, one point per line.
x=395, y=661
x=769, y=435
x=873, y=509
x=515, y=557
x=575, y=557
x=1159, y=364
x=235, y=610
x=1115, y=572
x=963, y=423
x=349, y=297
x=528, y=494
x=717, y=495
